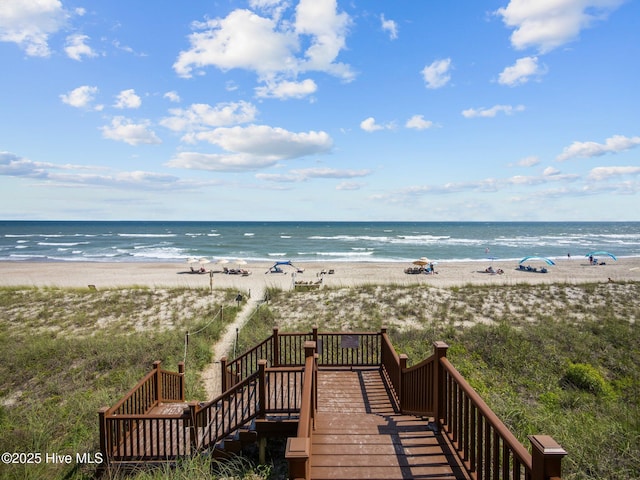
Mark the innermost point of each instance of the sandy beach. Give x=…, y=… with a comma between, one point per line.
x=107, y=275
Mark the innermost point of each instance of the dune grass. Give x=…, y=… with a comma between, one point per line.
x=561, y=360
x=65, y=353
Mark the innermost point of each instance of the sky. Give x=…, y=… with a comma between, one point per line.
x=404, y=110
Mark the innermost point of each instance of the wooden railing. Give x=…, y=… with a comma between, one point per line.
x=130, y=433
x=434, y=388
x=298, y=450
x=485, y=446
x=287, y=349
x=127, y=429
x=222, y=416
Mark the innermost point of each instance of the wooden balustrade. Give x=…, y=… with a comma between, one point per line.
x=234, y=408
x=254, y=389
x=148, y=392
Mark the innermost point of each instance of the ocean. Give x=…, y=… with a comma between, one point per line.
x=158, y=241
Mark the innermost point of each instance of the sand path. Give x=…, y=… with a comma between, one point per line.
x=211, y=375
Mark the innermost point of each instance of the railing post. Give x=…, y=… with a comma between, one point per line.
x=262, y=387
x=403, y=365
x=156, y=366
x=314, y=332
x=315, y=388
x=546, y=457
x=310, y=351
x=182, y=382
x=223, y=374
x=105, y=442
x=439, y=388
x=275, y=361
x=193, y=430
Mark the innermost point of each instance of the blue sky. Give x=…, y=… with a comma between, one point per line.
x=320, y=110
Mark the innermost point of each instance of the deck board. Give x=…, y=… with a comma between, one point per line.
x=359, y=435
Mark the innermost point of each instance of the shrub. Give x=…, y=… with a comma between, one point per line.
x=586, y=377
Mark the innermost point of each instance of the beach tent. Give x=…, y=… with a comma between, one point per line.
x=546, y=260
x=599, y=252
x=277, y=267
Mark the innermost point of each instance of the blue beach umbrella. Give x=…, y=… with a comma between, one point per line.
x=548, y=261
x=593, y=254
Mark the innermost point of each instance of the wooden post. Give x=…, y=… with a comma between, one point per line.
x=298, y=451
x=275, y=361
x=315, y=334
x=383, y=332
x=193, y=431
x=546, y=457
x=262, y=387
x=315, y=388
x=310, y=351
x=156, y=366
x=182, y=382
x=440, y=351
x=105, y=442
x=223, y=374
x=403, y=365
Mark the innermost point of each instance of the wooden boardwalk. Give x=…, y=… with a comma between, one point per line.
x=359, y=434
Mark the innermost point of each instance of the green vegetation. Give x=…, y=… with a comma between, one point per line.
x=561, y=360
x=199, y=468
x=65, y=353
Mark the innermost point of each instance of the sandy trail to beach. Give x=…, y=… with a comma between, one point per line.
x=211, y=375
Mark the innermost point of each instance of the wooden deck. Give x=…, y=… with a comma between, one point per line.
x=360, y=435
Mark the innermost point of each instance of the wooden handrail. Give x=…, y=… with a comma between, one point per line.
x=298, y=450
x=468, y=420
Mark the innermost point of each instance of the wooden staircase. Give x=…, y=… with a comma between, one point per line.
x=359, y=433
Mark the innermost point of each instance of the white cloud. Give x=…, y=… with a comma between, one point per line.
x=241, y=40
x=492, y=112
x=549, y=24
x=128, y=99
x=246, y=40
x=220, y=162
x=436, y=75
x=602, y=173
x=328, y=30
x=29, y=23
x=77, y=48
x=329, y=173
x=528, y=161
x=125, y=130
x=301, y=175
x=419, y=123
x=172, y=96
x=287, y=89
x=389, y=26
x=268, y=142
x=521, y=71
x=370, y=125
x=14, y=166
x=617, y=143
x=81, y=97
x=200, y=116
x=252, y=147
x=346, y=186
